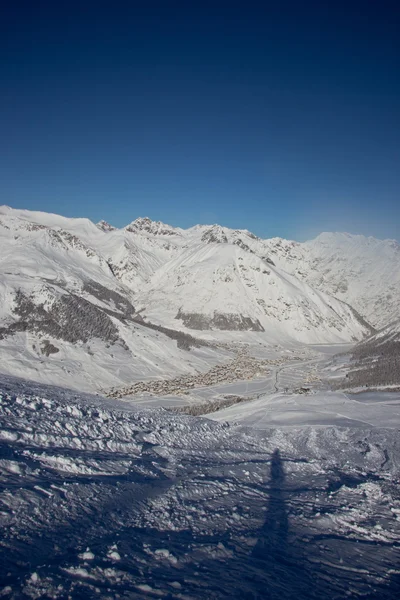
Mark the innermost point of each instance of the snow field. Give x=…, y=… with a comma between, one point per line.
x=99, y=499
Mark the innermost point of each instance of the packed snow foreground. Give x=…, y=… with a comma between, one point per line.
x=102, y=499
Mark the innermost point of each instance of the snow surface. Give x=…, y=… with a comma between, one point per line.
x=100, y=499
x=225, y=279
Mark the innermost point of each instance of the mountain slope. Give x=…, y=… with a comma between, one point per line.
x=223, y=287
x=376, y=360
x=71, y=291
x=363, y=271
x=66, y=318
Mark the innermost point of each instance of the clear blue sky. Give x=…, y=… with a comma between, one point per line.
x=280, y=117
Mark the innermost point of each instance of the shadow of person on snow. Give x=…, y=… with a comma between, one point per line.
x=280, y=568
x=273, y=538
x=277, y=569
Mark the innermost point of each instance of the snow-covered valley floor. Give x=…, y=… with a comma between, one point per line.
x=298, y=496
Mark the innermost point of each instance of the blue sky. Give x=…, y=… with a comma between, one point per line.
x=279, y=117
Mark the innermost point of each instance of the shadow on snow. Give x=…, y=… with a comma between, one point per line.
x=281, y=565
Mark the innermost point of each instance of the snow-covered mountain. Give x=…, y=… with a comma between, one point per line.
x=66, y=318
x=104, y=226
x=362, y=271
x=71, y=292
x=223, y=287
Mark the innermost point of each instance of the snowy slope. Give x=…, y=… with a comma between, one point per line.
x=388, y=334
x=83, y=228
x=375, y=362
x=363, y=271
x=70, y=290
x=64, y=315
x=100, y=500
x=223, y=287
x=211, y=272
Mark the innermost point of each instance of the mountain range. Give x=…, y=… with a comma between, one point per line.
x=92, y=306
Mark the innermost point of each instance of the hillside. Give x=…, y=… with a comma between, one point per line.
x=95, y=307
x=375, y=362
x=66, y=318
x=362, y=271
x=223, y=287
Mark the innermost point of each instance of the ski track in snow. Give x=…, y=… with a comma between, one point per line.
x=106, y=499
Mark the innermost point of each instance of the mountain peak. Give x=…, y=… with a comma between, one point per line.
x=146, y=225
x=104, y=226
x=214, y=234
x=341, y=238
x=340, y=234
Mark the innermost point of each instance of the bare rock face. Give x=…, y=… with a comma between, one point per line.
x=214, y=235
x=221, y=321
x=239, y=242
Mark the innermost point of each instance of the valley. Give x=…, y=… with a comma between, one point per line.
x=196, y=414
x=242, y=369
x=295, y=390
x=119, y=306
